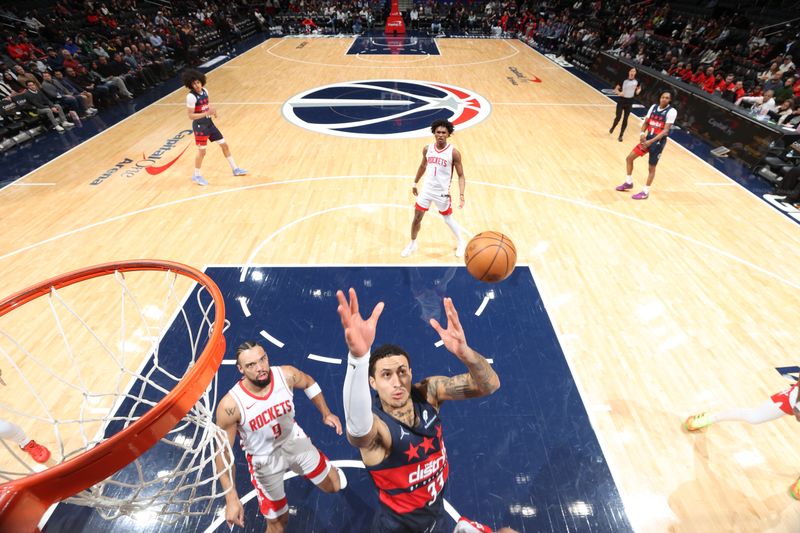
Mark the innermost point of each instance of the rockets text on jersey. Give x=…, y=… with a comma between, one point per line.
x=439, y=171
x=266, y=421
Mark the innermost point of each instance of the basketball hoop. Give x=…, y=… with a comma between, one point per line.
x=153, y=403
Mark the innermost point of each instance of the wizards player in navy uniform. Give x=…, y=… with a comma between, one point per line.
x=652, y=139
x=399, y=432
x=200, y=111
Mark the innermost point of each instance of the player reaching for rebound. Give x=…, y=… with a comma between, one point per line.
x=399, y=431
x=652, y=139
x=780, y=404
x=200, y=111
x=438, y=161
x=261, y=410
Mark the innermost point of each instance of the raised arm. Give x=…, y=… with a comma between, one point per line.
x=228, y=417
x=297, y=379
x=365, y=430
x=480, y=380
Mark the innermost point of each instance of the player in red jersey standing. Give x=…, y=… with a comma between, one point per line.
x=399, y=431
x=653, y=138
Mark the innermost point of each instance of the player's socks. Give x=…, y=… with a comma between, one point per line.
x=231, y=162
x=629, y=180
x=646, y=189
x=460, y=248
x=465, y=525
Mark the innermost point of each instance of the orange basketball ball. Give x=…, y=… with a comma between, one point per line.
x=490, y=256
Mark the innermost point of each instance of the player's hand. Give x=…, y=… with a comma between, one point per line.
x=333, y=421
x=414, y=190
x=359, y=334
x=453, y=336
x=234, y=513
x=212, y=111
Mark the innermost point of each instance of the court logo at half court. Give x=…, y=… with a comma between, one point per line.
x=379, y=109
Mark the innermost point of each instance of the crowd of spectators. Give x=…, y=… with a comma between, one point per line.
x=60, y=64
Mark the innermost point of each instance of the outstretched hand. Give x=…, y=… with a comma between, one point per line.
x=359, y=334
x=452, y=336
x=333, y=421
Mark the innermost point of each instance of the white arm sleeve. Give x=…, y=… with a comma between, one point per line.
x=356, y=396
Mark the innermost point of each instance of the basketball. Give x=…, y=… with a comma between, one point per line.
x=490, y=256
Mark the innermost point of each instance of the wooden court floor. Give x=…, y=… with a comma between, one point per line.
x=684, y=302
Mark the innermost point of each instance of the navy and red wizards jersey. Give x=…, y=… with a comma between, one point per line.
x=200, y=104
x=412, y=478
x=657, y=120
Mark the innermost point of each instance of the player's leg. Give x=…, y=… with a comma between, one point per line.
x=446, y=210
x=266, y=474
x=308, y=461
x=617, y=117
x=420, y=208
x=14, y=433
x=626, y=112
x=201, y=141
x=654, y=155
x=637, y=151
x=217, y=137
x=779, y=404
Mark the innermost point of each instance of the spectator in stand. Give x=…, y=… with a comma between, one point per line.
x=15, y=51
x=24, y=76
x=787, y=65
x=31, y=50
x=768, y=74
x=786, y=91
x=737, y=92
x=106, y=72
x=67, y=87
x=699, y=77
x=69, y=103
x=44, y=107
x=413, y=18
x=782, y=112
x=761, y=105
x=69, y=61
x=775, y=82
x=710, y=83
x=102, y=93
x=725, y=86
x=688, y=73
x=55, y=61
x=70, y=46
x=11, y=80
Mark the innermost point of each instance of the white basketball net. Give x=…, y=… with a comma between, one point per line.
x=93, y=358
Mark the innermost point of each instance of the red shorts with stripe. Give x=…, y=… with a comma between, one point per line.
x=786, y=399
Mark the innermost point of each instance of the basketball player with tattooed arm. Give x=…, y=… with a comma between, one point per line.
x=399, y=432
x=261, y=410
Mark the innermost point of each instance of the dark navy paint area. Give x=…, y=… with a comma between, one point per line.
x=402, y=45
x=526, y=456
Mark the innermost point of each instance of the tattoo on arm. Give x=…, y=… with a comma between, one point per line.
x=230, y=411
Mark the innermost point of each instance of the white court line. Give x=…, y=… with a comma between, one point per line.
x=271, y=339
x=484, y=303
x=551, y=104
x=323, y=359
x=245, y=309
x=263, y=102
x=339, y=65
x=439, y=343
x=714, y=184
x=577, y=202
x=32, y=184
x=228, y=362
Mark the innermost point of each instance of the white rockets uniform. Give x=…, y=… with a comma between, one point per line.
x=436, y=183
x=274, y=443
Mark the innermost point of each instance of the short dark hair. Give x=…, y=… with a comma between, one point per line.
x=385, y=350
x=442, y=122
x=190, y=75
x=246, y=345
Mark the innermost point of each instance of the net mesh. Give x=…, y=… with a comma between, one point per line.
x=83, y=362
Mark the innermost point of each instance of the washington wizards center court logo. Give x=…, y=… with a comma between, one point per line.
x=374, y=109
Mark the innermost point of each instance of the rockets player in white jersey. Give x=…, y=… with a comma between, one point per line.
x=438, y=161
x=260, y=409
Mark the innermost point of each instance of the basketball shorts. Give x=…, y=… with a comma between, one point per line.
x=297, y=454
x=204, y=133
x=786, y=399
x=654, y=151
x=442, y=201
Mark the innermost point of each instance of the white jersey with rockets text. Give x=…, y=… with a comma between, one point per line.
x=439, y=171
x=267, y=422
